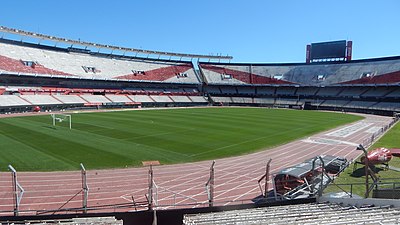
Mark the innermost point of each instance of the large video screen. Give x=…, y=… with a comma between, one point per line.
x=326, y=50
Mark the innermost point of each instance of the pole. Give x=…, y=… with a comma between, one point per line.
x=211, y=202
x=150, y=200
x=366, y=166
x=210, y=186
x=267, y=178
x=17, y=189
x=85, y=189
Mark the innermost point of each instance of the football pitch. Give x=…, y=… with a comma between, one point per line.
x=126, y=138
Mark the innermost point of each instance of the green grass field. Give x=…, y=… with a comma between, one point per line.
x=389, y=140
x=126, y=138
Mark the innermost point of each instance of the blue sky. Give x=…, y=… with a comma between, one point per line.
x=250, y=31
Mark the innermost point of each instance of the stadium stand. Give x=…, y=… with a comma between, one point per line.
x=268, y=101
x=70, y=99
x=229, y=90
x=395, y=93
x=198, y=99
x=118, y=98
x=321, y=213
x=307, y=91
x=360, y=104
x=180, y=98
x=222, y=99
x=377, y=92
x=161, y=98
x=41, y=99
x=335, y=103
x=12, y=100
x=328, y=91
x=95, y=99
x=370, y=71
x=289, y=91
x=73, y=221
x=30, y=59
x=140, y=98
x=73, y=77
x=266, y=90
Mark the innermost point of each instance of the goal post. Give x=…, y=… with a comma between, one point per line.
x=60, y=118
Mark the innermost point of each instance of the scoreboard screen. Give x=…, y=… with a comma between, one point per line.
x=327, y=50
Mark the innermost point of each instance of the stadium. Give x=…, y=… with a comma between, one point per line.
x=103, y=134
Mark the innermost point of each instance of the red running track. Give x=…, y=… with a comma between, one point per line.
x=182, y=185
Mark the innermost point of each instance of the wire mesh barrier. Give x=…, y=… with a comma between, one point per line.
x=385, y=188
x=370, y=140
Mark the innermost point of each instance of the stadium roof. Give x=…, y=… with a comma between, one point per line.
x=112, y=47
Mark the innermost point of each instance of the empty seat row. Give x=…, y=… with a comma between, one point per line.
x=321, y=213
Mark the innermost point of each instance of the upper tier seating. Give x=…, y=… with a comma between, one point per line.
x=388, y=78
x=30, y=60
x=224, y=74
x=379, y=71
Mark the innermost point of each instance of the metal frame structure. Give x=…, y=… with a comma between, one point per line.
x=266, y=177
x=210, y=186
x=54, y=117
x=85, y=189
x=368, y=172
x=150, y=197
x=18, y=191
x=110, y=47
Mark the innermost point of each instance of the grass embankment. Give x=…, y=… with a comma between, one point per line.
x=357, y=177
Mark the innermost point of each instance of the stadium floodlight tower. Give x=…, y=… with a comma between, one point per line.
x=59, y=118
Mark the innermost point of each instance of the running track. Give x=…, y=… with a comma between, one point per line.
x=183, y=184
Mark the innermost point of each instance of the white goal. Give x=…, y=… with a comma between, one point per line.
x=62, y=118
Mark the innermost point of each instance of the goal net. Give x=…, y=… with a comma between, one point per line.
x=62, y=119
